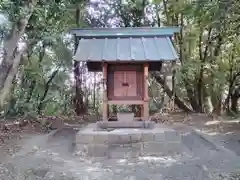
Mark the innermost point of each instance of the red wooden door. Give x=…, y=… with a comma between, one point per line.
x=125, y=83
x=131, y=79
x=119, y=91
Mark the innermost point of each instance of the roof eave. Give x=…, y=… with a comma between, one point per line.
x=121, y=32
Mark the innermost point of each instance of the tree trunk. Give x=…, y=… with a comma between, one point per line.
x=7, y=82
x=12, y=55
x=232, y=80
x=78, y=99
x=234, y=102
x=218, y=107
x=202, y=57
x=11, y=110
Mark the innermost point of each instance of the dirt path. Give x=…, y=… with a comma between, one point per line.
x=225, y=132
x=50, y=156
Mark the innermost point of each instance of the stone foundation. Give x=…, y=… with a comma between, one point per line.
x=121, y=124
x=125, y=117
x=128, y=142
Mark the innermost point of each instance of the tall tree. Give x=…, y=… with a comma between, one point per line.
x=19, y=14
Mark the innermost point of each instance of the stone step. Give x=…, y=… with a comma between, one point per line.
x=128, y=142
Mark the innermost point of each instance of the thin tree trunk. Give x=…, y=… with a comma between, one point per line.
x=218, y=107
x=233, y=95
x=34, y=82
x=166, y=12
x=231, y=80
x=230, y=89
x=47, y=86
x=234, y=101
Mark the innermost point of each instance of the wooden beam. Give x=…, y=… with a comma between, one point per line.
x=146, y=97
x=105, y=99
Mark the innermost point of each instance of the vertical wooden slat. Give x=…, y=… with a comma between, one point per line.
x=131, y=79
x=146, y=98
x=105, y=99
x=119, y=90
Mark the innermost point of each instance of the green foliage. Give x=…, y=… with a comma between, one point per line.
x=43, y=79
x=208, y=43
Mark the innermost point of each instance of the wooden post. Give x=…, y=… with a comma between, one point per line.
x=146, y=98
x=105, y=99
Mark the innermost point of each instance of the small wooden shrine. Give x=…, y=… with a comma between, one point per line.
x=125, y=56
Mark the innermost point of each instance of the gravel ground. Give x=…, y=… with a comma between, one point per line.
x=51, y=157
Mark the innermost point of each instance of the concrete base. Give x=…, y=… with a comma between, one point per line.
x=128, y=142
x=125, y=117
x=120, y=124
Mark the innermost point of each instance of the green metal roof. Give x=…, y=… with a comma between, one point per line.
x=125, y=45
x=126, y=49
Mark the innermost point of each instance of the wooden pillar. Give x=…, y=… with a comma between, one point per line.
x=105, y=99
x=146, y=98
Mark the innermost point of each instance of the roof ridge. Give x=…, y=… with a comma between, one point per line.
x=124, y=32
